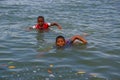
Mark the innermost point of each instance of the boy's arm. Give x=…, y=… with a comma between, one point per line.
x=56, y=24
x=31, y=28
x=79, y=38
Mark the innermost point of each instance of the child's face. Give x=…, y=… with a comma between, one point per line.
x=40, y=21
x=60, y=42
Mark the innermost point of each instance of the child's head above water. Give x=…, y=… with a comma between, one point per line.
x=40, y=20
x=60, y=41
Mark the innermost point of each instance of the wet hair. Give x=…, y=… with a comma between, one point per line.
x=60, y=37
x=40, y=17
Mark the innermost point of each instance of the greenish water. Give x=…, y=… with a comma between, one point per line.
x=24, y=54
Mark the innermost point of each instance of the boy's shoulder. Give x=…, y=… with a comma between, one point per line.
x=68, y=43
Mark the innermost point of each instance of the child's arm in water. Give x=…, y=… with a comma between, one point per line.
x=31, y=28
x=56, y=24
x=51, y=24
x=78, y=37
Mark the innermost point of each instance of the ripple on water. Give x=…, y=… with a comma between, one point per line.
x=22, y=53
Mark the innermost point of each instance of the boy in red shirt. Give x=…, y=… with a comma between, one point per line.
x=42, y=25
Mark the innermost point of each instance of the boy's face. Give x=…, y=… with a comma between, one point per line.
x=60, y=42
x=40, y=21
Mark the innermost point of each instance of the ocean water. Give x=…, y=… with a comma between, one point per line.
x=29, y=55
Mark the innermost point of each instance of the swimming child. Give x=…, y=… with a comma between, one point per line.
x=62, y=43
x=42, y=25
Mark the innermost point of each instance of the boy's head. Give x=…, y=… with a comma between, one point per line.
x=40, y=20
x=60, y=41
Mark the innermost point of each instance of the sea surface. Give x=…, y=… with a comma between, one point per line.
x=29, y=55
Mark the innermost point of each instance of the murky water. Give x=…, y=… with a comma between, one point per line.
x=27, y=55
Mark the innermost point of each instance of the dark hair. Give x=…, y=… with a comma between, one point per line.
x=40, y=17
x=60, y=37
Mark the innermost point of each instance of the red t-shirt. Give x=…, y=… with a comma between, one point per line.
x=44, y=27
